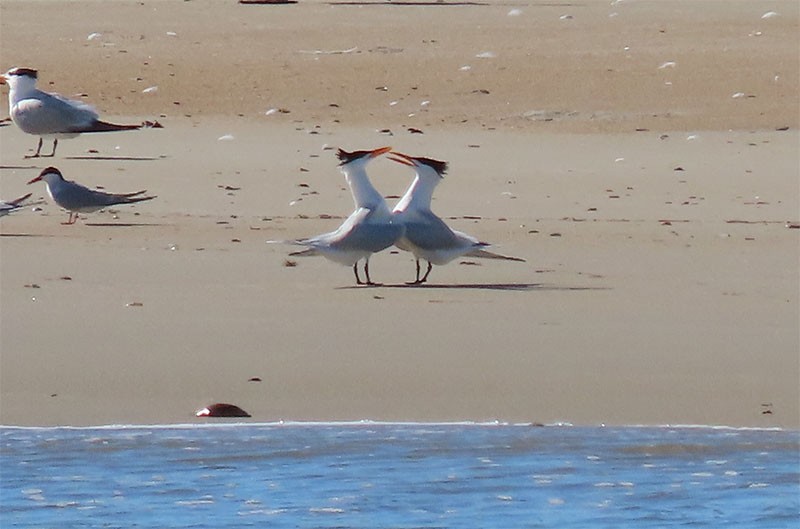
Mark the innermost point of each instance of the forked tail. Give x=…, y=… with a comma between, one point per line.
x=132, y=200
x=18, y=201
x=103, y=126
x=485, y=254
x=135, y=193
x=308, y=252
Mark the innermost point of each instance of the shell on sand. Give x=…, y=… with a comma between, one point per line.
x=221, y=409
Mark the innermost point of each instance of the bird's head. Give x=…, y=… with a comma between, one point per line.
x=424, y=166
x=359, y=157
x=19, y=77
x=49, y=175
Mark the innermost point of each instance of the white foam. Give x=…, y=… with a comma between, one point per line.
x=369, y=422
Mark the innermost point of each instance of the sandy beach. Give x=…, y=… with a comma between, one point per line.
x=642, y=157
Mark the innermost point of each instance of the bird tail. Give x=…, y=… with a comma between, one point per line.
x=20, y=200
x=308, y=252
x=134, y=194
x=103, y=126
x=133, y=199
x=485, y=254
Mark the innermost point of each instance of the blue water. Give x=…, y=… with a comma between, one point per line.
x=398, y=476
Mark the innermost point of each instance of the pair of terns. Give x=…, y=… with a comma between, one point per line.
x=411, y=225
x=50, y=115
x=53, y=116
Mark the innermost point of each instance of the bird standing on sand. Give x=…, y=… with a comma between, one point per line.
x=368, y=230
x=426, y=235
x=50, y=115
x=13, y=205
x=76, y=198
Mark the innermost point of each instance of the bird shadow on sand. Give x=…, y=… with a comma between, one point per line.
x=25, y=235
x=17, y=167
x=408, y=3
x=121, y=224
x=513, y=287
x=115, y=158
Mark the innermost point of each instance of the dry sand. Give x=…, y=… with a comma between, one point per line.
x=661, y=282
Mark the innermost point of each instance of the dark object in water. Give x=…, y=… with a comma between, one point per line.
x=220, y=409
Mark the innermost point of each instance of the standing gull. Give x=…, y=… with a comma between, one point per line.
x=76, y=198
x=49, y=115
x=368, y=230
x=426, y=235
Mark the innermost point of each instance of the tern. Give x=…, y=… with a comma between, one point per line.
x=13, y=205
x=47, y=115
x=76, y=198
x=426, y=235
x=368, y=230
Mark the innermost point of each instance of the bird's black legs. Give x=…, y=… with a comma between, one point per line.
x=427, y=273
x=366, y=272
x=355, y=271
x=38, y=150
x=419, y=281
x=38, y=154
x=416, y=279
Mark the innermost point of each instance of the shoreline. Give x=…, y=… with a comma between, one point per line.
x=366, y=423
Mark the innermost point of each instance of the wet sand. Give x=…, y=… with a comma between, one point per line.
x=661, y=279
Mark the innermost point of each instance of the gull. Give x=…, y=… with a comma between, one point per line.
x=76, y=198
x=368, y=230
x=13, y=205
x=47, y=115
x=426, y=235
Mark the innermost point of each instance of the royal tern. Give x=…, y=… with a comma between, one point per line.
x=76, y=198
x=426, y=235
x=368, y=230
x=50, y=115
x=13, y=205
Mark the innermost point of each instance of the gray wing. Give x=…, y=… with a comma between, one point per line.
x=370, y=237
x=6, y=208
x=52, y=114
x=359, y=233
x=75, y=197
x=429, y=232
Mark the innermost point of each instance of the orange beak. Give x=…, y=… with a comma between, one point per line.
x=378, y=152
x=2, y=79
x=37, y=179
x=402, y=158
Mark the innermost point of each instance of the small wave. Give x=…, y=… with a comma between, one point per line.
x=370, y=422
x=202, y=501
